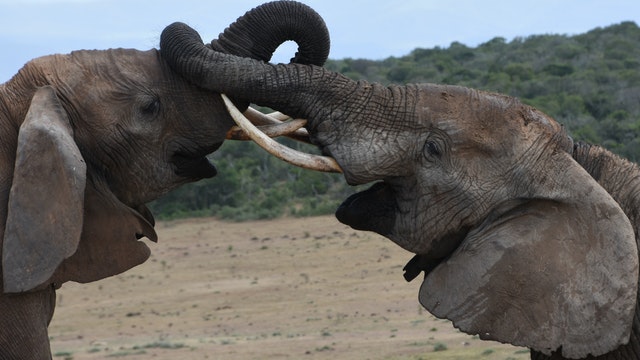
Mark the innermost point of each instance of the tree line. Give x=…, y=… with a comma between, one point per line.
x=589, y=82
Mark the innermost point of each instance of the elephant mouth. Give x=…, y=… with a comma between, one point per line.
x=374, y=209
x=194, y=165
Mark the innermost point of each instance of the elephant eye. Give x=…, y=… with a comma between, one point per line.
x=432, y=149
x=151, y=107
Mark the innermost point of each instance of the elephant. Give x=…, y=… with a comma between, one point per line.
x=90, y=137
x=525, y=236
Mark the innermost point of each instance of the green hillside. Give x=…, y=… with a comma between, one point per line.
x=588, y=82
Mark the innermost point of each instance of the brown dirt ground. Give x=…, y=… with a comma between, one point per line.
x=284, y=289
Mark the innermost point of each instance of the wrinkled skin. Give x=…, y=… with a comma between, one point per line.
x=87, y=139
x=524, y=237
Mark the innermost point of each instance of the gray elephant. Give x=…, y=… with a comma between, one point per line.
x=525, y=237
x=87, y=139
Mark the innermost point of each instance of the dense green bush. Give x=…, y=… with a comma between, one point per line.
x=588, y=82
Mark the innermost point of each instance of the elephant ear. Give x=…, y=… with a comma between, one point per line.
x=45, y=208
x=558, y=273
x=109, y=244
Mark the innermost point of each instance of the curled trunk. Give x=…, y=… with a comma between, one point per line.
x=256, y=35
x=263, y=83
x=259, y=32
x=332, y=103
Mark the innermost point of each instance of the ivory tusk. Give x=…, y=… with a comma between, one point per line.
x=297, y=158
x=258, y=118
x=276, y=115
x=279, y=116
x=275, y=130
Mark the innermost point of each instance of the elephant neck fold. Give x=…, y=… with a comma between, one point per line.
x=618, y=176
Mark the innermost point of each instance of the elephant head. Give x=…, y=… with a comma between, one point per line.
x=519, y=242
x=87, y=139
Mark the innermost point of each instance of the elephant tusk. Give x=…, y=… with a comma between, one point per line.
x=297, y=158
x=258, y=118
x=276, y=115
x=273, y=130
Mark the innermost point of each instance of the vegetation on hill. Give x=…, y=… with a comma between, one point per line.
x=588, y=82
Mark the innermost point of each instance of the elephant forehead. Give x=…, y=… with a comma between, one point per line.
x=138, y=66
x=116, y=68
x=462, y=112
x=466, y=111
x=497, y=128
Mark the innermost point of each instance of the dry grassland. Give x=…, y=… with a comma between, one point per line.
x=284, y=289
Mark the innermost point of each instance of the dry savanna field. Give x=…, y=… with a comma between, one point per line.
x=290, y=288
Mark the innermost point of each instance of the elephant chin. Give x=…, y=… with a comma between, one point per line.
x=370, y=210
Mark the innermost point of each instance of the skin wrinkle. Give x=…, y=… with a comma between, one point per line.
x=459, y=213
x=436, y=228
x=318, y=109
x=536, y=159
x=329, y=116
x=109, y=162
x=420, y=209
x=392, y=100
x=371, y=96
x=145, y=150
x=456, y=206
x=620, y=177
x=452, y=204
x=120, y=96
x=628, y=189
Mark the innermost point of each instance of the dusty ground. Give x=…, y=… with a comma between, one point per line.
x=285, y=289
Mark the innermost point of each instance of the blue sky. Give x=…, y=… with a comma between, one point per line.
x=359, y=28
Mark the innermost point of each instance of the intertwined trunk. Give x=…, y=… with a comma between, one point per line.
x=259, y=32
x=284, y=87
x=256, y=35
x=333, y=104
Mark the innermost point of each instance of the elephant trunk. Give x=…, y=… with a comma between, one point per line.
x=333, y=104
x=258, y=33
x=255, y=35
x=283, y=87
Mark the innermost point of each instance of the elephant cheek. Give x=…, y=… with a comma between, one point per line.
x=370, y=210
